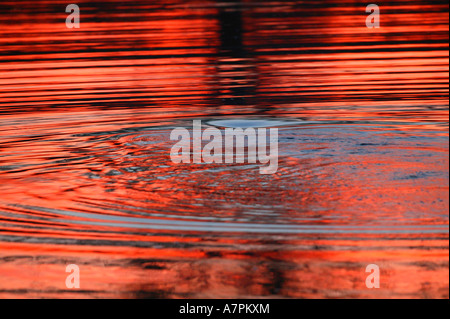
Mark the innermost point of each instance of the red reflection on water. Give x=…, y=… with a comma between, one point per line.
x=85, y=119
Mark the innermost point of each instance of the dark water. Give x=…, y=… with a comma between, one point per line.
x=86, y=177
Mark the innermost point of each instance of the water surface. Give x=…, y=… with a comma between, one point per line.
x=85, y=170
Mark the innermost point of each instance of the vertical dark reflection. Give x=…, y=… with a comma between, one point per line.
x=235, y=67
x=231, y=35
x=238, y=79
